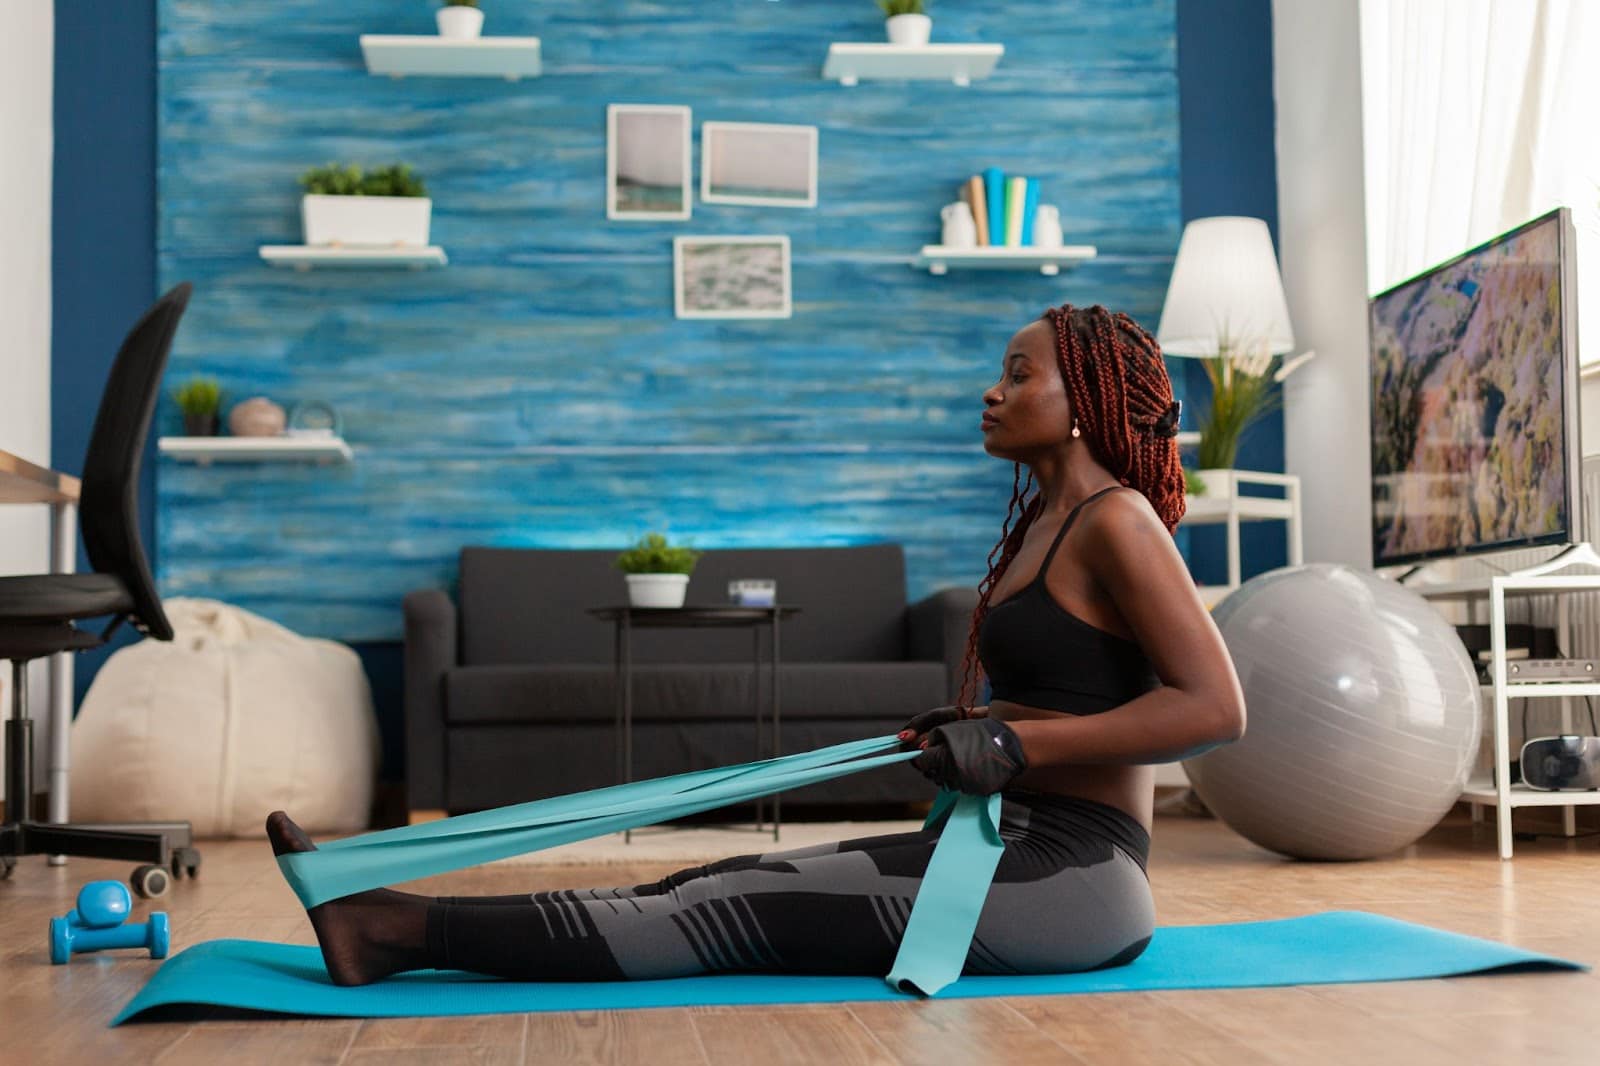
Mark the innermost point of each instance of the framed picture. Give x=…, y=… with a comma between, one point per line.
x=758, y=163
x=647, y=162
x=731, y=277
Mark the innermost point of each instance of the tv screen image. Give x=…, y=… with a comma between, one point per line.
x=1470, y=366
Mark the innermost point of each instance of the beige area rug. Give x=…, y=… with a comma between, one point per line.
x=695, y=845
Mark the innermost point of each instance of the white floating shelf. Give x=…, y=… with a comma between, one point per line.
x=306, y=256
x=1189, y=438
x=959, y=63
x=938, y=259
x=511, y=58
x=289, y=448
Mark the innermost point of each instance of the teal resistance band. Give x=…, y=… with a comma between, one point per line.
x=943, y=917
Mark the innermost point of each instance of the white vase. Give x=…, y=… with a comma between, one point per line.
x=959, y=229
x=1047, y=226
x=366, y=221
x=459, y=22
x=909, y=29
x=1219, y=482
x=657, y=590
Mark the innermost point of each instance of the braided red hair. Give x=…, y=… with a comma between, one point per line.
x=1121, y=396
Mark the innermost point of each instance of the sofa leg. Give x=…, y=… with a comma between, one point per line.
x=418, y=817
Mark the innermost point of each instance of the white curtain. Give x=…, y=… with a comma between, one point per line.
x=1479, y=115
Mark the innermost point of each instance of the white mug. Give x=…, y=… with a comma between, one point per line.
x=1047, y=226
x=960, y=231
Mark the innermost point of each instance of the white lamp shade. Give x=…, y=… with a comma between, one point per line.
x=1225, y=284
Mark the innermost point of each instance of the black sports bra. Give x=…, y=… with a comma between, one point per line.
x=1037, y=653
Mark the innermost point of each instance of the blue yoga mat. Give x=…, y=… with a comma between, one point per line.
x=1330, y=948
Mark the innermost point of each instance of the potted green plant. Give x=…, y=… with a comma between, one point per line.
x=199, y=399
x=1242, y=392
x=906, y=21
x=1193, y=483
x=657, y=573
x=380, y=208
x=460, y=19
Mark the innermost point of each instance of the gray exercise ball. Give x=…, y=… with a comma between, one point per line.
x=1362, y=715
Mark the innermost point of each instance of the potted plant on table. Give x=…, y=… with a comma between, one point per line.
x=380, y=208
x=460, y=19
x=1242, y=392
x=200, y=399
x=906, y=21
x=657, y=573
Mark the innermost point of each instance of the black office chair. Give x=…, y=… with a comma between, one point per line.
x=37, y=611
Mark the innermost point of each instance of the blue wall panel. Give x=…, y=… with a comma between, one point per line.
x=538, y=391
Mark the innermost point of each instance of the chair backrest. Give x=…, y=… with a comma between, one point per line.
x=109, y=509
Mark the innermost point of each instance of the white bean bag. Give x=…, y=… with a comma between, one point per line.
x=235, y=717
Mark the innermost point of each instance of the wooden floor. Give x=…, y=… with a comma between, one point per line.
x=1201, y=872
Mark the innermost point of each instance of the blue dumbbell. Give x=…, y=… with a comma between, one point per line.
x=97, y=923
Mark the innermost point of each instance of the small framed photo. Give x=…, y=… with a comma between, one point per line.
x=731, y=277
x=758, y=163
x=647, y=162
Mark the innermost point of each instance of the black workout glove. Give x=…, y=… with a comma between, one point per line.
x=911, y=733
x=976, y=755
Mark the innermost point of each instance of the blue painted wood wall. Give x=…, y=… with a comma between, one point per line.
x=538, y=391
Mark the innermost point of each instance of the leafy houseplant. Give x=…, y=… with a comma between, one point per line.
x=199, y=399
x=1242, y=392
x=906, y=21
x=657, y=572
x=460, y=19
x=380, y=208
x=1193, y=483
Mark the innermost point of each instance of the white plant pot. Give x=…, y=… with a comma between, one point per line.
x=909, y=29
x=657, y=590
x=460, y=22
x=366, y=221
x=1219, y=482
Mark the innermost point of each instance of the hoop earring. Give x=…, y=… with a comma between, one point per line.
x=1076, y=432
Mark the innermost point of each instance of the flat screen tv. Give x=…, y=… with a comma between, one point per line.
x=1474, y=400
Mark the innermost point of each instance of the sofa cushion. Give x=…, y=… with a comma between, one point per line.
x=697, y=692
x=527, y=605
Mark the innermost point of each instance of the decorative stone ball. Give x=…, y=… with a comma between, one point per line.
x=1362, y=715
x=256, y=417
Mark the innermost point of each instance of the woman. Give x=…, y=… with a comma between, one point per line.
x=1101, y=660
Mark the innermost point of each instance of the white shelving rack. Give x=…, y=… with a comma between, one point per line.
x=1235, y=508
x=939, y=258
x=1546, y=578
x=511, y=58
x=287, y=448
x=962, y=64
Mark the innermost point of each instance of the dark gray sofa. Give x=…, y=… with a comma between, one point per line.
x=510, y=693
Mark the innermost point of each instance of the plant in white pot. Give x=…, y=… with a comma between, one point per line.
x=906, y=21
x=657, y=573
x=460, y=19
x=383, y=208
x=1242, y=392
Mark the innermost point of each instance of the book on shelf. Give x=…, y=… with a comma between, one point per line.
x=1016, y=195
x=994, y=191
x=972, y=193
x=1030, y=207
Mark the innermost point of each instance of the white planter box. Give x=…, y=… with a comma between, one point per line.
x=657, y=590
x=909, y=29
x=366, y=221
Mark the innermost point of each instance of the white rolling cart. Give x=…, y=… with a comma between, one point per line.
x=1546, y=578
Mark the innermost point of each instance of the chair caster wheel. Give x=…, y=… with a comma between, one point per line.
x=185, y=861
x=7, y=864
x=149, y=881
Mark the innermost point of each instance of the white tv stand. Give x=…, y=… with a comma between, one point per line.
x=1546, y=578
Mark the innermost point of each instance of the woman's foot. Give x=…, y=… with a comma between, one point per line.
x=366, y=936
